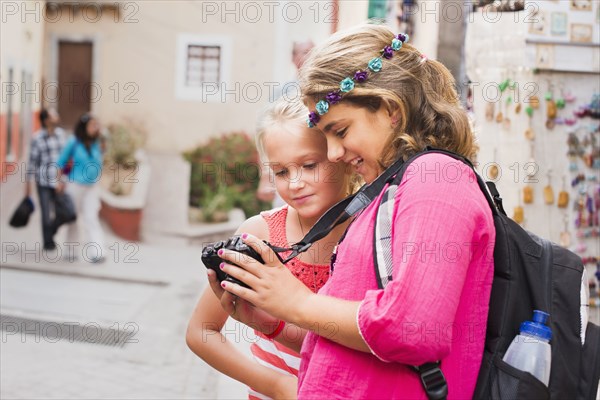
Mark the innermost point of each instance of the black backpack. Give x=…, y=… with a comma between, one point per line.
x=530, y=273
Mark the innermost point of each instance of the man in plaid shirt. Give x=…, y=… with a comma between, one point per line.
x=46, y=146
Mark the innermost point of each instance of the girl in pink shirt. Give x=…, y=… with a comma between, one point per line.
x=376, y=98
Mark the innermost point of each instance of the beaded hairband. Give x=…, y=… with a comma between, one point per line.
x=347, y=84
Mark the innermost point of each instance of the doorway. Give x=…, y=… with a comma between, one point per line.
x=74, y=81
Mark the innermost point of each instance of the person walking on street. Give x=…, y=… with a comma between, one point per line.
x=46, y=147
x=86, y=155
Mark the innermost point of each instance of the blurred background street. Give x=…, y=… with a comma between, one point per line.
x=75, y=330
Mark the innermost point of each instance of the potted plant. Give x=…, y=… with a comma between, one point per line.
x=125, y=180
x=224, y=175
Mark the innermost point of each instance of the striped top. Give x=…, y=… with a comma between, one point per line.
x=269, y=352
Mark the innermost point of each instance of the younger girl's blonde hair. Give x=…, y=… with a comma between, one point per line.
x=421, y=90
x=280, y=116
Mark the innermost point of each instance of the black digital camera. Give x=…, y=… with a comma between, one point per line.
x=211, y=259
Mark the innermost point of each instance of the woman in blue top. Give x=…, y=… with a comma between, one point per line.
x=83, y=149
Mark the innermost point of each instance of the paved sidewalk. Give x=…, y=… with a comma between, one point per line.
x=153, y=287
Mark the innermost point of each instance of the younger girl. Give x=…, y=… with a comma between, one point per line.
x=309, y=184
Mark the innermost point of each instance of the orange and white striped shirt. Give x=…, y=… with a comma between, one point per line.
x=268, y=352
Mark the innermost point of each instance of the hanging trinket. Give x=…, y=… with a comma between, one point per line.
x=568, y=96
x=565, y=235
x=596, y=218
x=518, y=214
x=534, y=102
x=528, y=194
x=493, y=170
x=489, y=111
x=573, y=167
x=550, y=104
x=589, y=205
x=575, y=147
x=579, y=207
x=506, y=122
x=580, y=112
x=548, y=190
x=588, y=159
x=499, y=117
x=530, y=172
x=581, y=247
x=570, y=121
x=563, y=195
x=502, y=86
x=529, y=133
x=561, y=102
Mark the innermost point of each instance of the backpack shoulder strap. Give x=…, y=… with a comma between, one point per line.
x=382, y=241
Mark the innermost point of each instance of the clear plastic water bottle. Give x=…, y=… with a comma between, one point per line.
x=530, y=351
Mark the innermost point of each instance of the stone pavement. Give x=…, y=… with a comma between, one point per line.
x=149, y=290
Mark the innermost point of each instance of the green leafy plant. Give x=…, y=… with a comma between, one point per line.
x=226, y=166
x=123, y=141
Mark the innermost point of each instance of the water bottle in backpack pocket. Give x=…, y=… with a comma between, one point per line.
x=530, y=351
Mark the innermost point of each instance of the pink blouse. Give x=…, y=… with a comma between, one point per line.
x=436, y=306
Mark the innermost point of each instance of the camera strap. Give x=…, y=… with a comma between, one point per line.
x=341, y=211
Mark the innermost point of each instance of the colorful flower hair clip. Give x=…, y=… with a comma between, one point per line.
x=347, y=84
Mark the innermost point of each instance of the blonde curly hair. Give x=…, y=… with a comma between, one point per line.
x=421, y=90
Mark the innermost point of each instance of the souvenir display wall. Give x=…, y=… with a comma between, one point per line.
x=538, y=131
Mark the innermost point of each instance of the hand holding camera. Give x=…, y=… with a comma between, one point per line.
x=211, y=259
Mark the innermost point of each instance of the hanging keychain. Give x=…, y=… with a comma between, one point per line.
x=563, y=195
x=589, y=205
x=548, y=190
x=580, y=220
x=529, y=133
x=518, y=105
x=550, y=108
x=528, y=189
x=561, y=102
x=489, y=111
x=510, y=85
x=569, y=98
x=528, y=194
x=502, y=87
x=518, y=215
x=565, y=235
x=493, y=170
x=534, y=102
x=506, y=122
x=596, y=218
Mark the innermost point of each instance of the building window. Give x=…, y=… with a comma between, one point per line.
x=203, y=67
